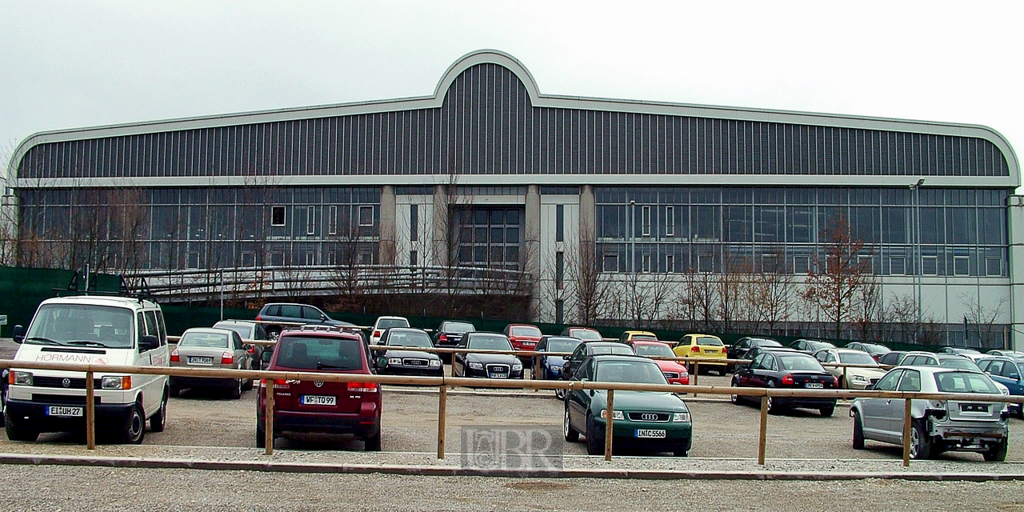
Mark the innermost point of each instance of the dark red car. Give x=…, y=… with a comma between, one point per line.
x=523, y=336
x=304, y=407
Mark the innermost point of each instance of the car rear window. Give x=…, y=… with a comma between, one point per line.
x=799, y=362
x=964, y=382
x=525, y=330
x=310, y=352
x=387, y=323
x=242, y=330
x=585, y=334
x=617, y=349
x=459, y=327
x=709, y=341
x=654, y=350
x=203, y=339
x=960, y=363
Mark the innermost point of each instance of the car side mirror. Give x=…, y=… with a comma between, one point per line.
x=148, y=342
x=19, y=334
x=382, y=362
x=267, y=354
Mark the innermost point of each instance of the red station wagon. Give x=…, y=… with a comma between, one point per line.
x=308, y=407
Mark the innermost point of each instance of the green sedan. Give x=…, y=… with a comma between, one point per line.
x=657, y=421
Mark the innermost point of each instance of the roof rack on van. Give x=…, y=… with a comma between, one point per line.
x=124, y=288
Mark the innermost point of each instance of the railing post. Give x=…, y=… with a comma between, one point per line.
x=442, y=415
x=846, y=382
x=536, y=367
x=269, y=416
x=906, y=431
x=90, y=412
x=696, y=371
x=762, y=435
x=609, y=429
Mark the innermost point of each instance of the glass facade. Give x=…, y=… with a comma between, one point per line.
x=963, y=232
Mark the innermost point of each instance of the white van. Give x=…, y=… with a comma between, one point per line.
x=98, y=330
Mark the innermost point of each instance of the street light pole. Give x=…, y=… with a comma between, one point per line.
x=919, y=258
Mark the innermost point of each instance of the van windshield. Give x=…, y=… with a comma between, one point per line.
x=81, y=324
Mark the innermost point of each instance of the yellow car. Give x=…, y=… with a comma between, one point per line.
x=629, y=336
x=704, y=346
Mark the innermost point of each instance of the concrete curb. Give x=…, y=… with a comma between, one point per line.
x=419, y=470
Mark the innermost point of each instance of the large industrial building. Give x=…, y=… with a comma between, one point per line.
x=489, y=172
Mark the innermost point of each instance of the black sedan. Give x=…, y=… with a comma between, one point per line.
x=488, y=366
x=404, y=359
x=810, y=346
x=785, y=368
x=739, y=349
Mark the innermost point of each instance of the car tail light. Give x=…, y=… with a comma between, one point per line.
x=787, y=380
x=251, y=349
x=227, y=358
x=362, y=387
x=443, y=338
x=258, y=319
x=175, y=358
x=376, y=334
x=835, y=381
x=695, y=348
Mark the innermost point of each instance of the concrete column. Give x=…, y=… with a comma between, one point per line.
x=588, y=214
x=531, y=247
x=1015, y=230
x=387, y=250
x=442, y=218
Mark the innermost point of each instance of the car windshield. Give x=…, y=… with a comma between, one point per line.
x=488, y=343
x=856, y=358
x=617, y=348
x=409, y=339
x=964, y=382
x=709, y=341
x=525, y=330
x=203, y=339
x=81, y=324
x=642, y=336
x=653, y=350
x=563, y=345
x=387, y=323
x=629, y=371
x=458, y=327
x=799, y=362
x=585, y=334
x=242, y=329
x=960, y=363
x=312, y=353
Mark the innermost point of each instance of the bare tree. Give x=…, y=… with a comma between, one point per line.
x=770, y=294
x=697, y=300
x=587, y=288
x=836, y=279
x=867, y=308
x=983, y=317
x=729, y=289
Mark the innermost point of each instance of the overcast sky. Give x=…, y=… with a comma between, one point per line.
x=69, y=64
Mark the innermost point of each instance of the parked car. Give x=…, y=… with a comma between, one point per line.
x=551, y=366
x=947, y=360
x=209, y=348
x=404, y=359
x=386, y=322
x=966, y=352
x=649, y=420
x=851, y=377
x=787, y=368
x=592, y=348
x=278, y=316
x=739, y=349
x=937, y=425
x=449, y=333
x=248, y=330
x=583, y=333
x=704, y=346
x=1008, y=372
x=488, y=366
x=893, y=358
x=628, y=336
x=874, y=349
x=523, y=336
x=674, y=372
x=303, y=407
x=809, y=346
x=1008, y=353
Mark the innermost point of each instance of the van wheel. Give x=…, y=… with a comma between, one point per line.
x=158, y=420
x=19, y=434
x=372, y=444
x=135, y=429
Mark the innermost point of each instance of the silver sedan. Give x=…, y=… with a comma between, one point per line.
x=209, y=348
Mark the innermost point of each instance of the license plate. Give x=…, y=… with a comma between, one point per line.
x=973, y=408
x=64, y=411
x=200, y=360
x=648, y=433
x=499, y=375
x=815, y=385
x=319, y=400
x=710, y=351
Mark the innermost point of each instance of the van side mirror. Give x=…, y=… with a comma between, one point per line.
x=18, y=333
x=148, y=342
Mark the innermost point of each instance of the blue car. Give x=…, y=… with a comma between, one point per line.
x=551, y=366
x=1007, y=371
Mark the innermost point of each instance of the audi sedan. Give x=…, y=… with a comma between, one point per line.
x=402, y=358
x=787, y=368
x=488, y=366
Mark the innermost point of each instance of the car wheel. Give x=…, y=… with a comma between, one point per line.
x=372, y=444
x=261, y=438
x=773, y=406
x=570, y=435
x=997, y=453
x=735, y=398
x=159, y=420
x=595, y=446
x=858, y=432
x=560, y=394
x=135, y=429
x=827, y=411
x=920, y=445
x=19, y=434
x=273, y=333
x=236, y=390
